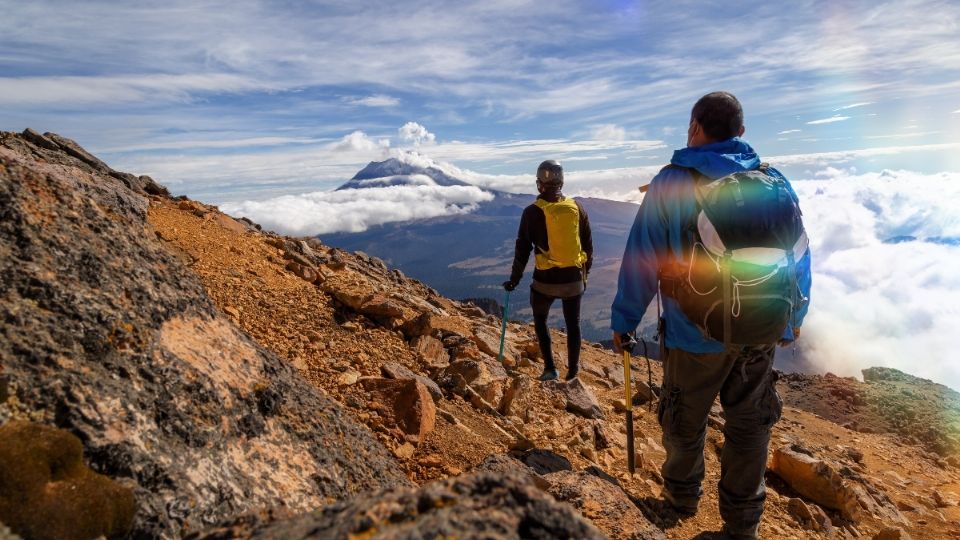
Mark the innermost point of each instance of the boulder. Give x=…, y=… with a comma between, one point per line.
x=580, y=400
x=531, y=349
x=393, y=370
x=504, y=464
x=230, y=224
x=488, y=340
x=485, y=376
x=481, y=505
x=46, y=491
x=604, y=503
x=407, y=403
x=421, y=325
x=306, y=273
x=379, y=306
x=816, y=480
x=431, y=352
x=614, y=373
x=892, y=533
x=544, y=461
x=290, y=253
x=351, y=295
x=810, y=516
x=109, y=333
x=944, y=499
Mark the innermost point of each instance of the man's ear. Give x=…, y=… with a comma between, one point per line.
x=743, y=129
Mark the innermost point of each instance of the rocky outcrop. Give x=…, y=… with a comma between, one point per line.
x=580, y=400
x=603, y=502
x=46, y=492
x=482, y=505
x=393, y=370
x=108, y=335
x=404, y=403
x=815, y=480
x=852, y=495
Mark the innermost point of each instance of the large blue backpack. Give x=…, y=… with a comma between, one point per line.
x=738, y=279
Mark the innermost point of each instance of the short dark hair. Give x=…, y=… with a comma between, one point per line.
x=719, y=114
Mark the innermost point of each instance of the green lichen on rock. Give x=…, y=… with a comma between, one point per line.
x=11, y=408
x=46, y=491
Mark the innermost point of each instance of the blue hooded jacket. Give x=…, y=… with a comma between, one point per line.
x=657, y=234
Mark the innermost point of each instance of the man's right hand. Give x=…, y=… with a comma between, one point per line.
x=617, y=337
x=509, y=285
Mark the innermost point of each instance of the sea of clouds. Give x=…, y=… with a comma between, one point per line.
x=886, y=258
x=355, y=210
x=886, y=264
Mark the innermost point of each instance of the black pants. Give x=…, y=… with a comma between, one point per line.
x=743, y=377
x=571, y=315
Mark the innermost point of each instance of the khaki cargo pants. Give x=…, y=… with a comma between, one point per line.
x=744, y=379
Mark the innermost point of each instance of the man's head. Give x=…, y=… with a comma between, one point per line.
x=715, y=117
x=549, y=176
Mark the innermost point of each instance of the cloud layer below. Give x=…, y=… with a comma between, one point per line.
x=354, y=210
x=886, y=288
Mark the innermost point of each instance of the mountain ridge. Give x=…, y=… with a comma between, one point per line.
x=397, y=171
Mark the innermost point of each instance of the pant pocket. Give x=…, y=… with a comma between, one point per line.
x=668, y=410
x=772, y=405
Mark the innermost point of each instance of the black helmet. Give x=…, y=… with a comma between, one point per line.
x=550, y=174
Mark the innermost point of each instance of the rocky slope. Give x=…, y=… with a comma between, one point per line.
x=108, y=335
x=915, y=410
x=381, y=383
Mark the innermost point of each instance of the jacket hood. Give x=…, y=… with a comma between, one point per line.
x=718, y=159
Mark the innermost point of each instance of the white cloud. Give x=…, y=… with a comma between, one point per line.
x=956, y=111
x=76, y=90
x=827, y=158
x=356, y=210
x=832, y=119
x=192, y=144
x=377, y=100
x=876, y=302
x=785, y=132
x=415, y=134
x=358, y=141
x=608, y=132
x=853, y=106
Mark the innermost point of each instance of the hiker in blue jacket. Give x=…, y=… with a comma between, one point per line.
x=697, y=364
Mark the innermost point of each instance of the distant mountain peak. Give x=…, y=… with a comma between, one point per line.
x=404, y=170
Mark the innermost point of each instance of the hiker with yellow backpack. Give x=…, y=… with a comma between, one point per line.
x=558, y=229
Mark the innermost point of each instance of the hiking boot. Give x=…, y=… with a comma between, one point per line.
x=750, y=533
x=571, y=375
x=681, y=506
x=549, y=375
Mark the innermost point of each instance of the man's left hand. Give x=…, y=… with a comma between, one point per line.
x=788, y=342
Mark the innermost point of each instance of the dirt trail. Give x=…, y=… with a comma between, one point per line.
x=319, y=328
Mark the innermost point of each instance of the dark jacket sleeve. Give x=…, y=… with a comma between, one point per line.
x=586, y=238
x=523, y=247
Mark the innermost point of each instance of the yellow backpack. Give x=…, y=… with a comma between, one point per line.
x=563, y=235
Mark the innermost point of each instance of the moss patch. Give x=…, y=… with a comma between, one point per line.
x=46, y=491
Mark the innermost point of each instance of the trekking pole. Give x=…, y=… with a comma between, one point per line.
x=627, y=347
x=503, y=326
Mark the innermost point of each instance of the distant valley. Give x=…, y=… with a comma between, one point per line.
x=469, y=255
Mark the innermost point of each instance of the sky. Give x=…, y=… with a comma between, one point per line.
x=242, y=100
x=265, y=107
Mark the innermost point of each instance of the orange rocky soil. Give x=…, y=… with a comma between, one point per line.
x=421, y=371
